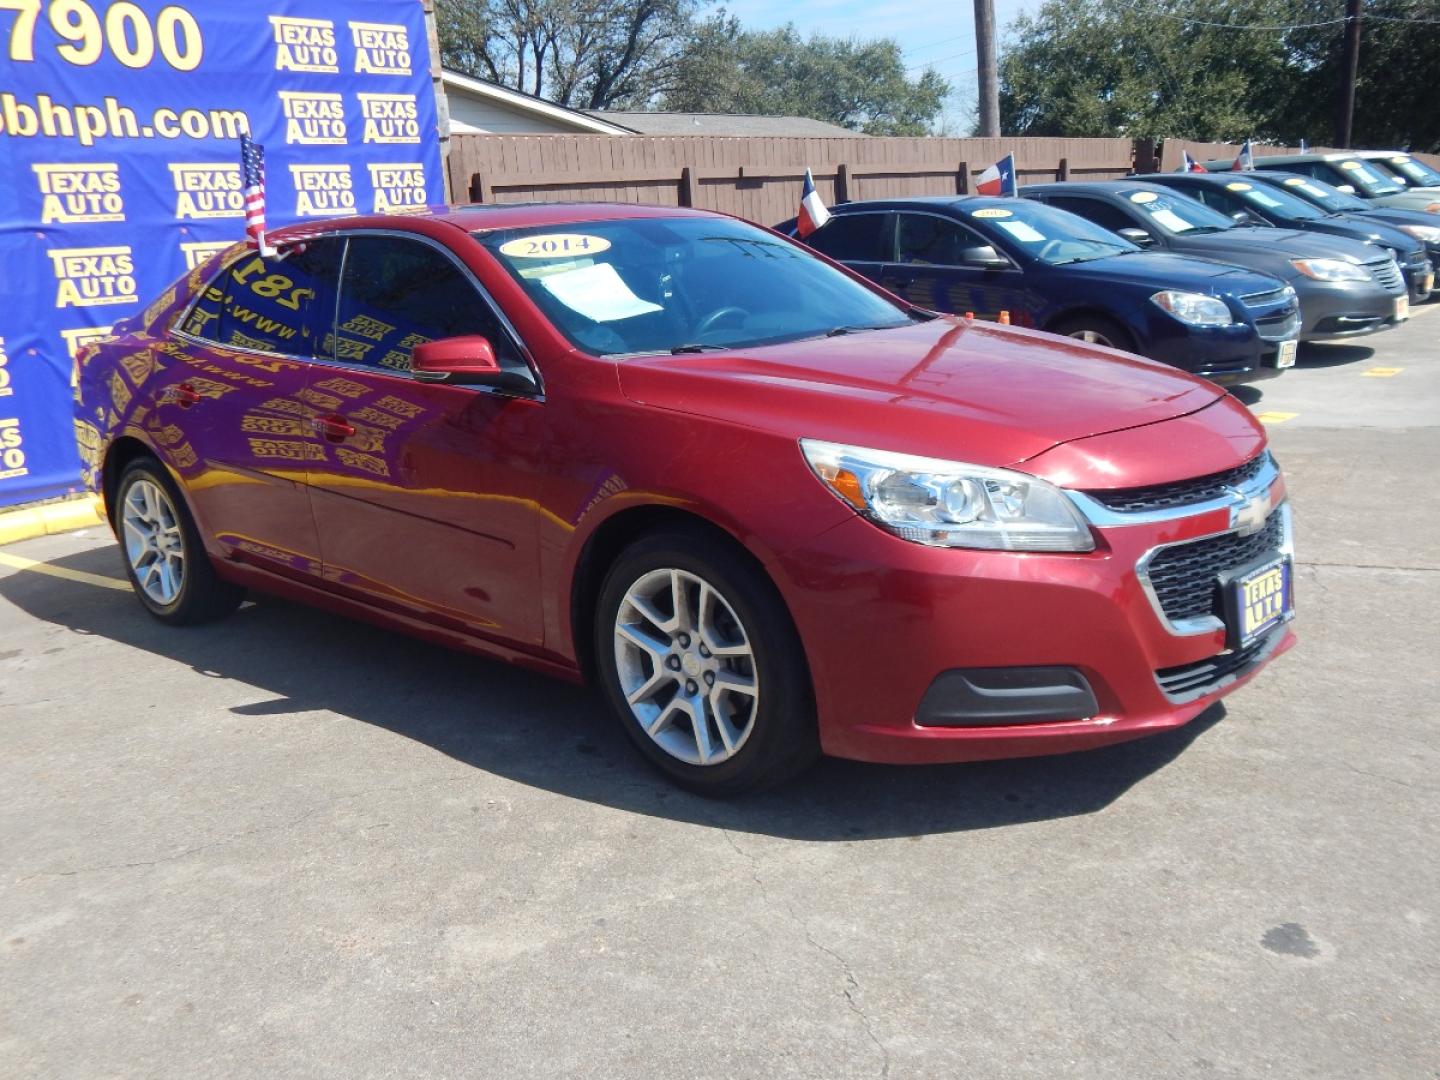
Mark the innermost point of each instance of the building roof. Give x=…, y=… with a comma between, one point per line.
x=517, y=101
x=683, y=123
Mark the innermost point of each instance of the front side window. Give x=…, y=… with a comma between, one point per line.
x=853, y=238
x=1412, y=170
x=1323, y=195
x=281, y=304
x=1046, y=233
x=663, y=284
x=927, y=240
x=397, y=293
x=1366, y=177
x=1176, y=214
x=1102, y=214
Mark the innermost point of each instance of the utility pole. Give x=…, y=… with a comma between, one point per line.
x=1349, y=63
x=989, y=72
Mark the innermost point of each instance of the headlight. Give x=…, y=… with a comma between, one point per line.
x=949, y=503
x=1330, y=270
x=1428, y=234
x=1197, y=309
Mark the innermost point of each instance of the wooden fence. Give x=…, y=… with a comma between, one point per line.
x=758, y=177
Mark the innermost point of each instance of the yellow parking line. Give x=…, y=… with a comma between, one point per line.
x=19, y=562
x=1275, y=417
x=1382, y=372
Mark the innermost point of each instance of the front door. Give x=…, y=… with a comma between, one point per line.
x=424, y=494
x=239, y=397
x=930, y=270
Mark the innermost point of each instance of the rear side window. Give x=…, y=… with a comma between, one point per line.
x=1101, y=213
x=853, y=238
x=277, y=305
x=398, y=293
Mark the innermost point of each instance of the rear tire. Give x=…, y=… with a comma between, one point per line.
x=164, y=558
x=1096, y=330
x=702, y=665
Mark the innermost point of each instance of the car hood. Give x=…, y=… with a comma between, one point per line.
x=1165, y=270
x=1415, y=199
x=948, y=388
x=1283, y=243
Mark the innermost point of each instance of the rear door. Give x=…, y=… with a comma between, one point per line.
x=425, y=494
x=864, y=240
x=237, y=411
x=930, y=269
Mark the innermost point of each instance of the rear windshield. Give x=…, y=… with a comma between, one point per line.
x=649, y=285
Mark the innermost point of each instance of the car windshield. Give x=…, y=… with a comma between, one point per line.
x=1367, y=178
x=1322, y=194
x=1408, y=168
x=1177, y=214
x=653, y=285
x=1045, y=233
x=1263, y=197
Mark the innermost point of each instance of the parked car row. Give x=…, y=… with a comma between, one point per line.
x=1221, y=274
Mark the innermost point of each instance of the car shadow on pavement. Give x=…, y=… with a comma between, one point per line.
x=1331, y=354
x=554, y=736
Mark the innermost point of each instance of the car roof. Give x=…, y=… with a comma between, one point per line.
x=1195, y=177
x=1119, y=186
x=477, y=217
x=900, y=202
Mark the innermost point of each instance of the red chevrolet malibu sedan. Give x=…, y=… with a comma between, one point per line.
x=769, y=508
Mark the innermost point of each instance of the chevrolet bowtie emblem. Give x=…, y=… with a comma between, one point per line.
x=1249, y=511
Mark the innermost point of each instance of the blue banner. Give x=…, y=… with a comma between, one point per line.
x=120, y=160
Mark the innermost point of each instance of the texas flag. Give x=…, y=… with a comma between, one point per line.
x=998, y=179
x=1188, y=163
x=812, y=210
x=1244, y=161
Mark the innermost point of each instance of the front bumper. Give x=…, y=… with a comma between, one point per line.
x=1331, y=311
x=884, y=621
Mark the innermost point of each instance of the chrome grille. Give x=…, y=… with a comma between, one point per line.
x=1180, y=492
x=1280, y=328
x=1262, y=299
x=1386, y=273
x=1185, y=578
x=1197, y=678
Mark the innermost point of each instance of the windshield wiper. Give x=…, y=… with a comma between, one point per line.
x=676, y=350
x=837, y=331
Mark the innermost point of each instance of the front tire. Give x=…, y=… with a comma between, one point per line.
x=164, y=558
x=703, y=667
x=1096, y=330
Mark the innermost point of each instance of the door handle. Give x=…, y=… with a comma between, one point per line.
x=333, y=428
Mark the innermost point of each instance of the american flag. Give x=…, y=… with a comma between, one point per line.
x=252, y=170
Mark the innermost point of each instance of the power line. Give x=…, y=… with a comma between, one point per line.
x=933, y=44
x=941, y=60
x=1287, y=26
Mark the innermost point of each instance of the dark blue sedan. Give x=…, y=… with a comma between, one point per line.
x=1055, y=271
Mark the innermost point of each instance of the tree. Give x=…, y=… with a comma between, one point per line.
x=860, y=85
x=1223, y=70
x=587, y=54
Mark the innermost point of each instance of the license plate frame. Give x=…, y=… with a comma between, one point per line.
x=1402, y=308
x=1285, y=358
x=1248, y=619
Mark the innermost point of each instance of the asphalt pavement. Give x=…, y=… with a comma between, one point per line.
x=289, y=845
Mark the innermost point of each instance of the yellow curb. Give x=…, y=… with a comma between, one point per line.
x=1382, y=372
x=1275, y=417
x=19, y=562
x=26, y=524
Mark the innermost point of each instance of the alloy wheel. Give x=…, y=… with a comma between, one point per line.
x=154, y=542
x=686, y=666
x=1093, y=337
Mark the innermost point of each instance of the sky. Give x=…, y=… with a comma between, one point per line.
x=945, y=41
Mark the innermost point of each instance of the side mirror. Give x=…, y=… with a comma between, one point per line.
x=1138, y=237
x=1244, y=217
x=1348, y=189
x=983, y=257
x=456, y=360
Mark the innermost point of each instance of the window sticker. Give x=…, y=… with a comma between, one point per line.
x=598, y=293
x=993, y=212
x=1238, y=187
x=1353, y=166
x=1022, y=231
x=1143, y=197
x=1171, y=220
x=553, y=246
x=1265, y=200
